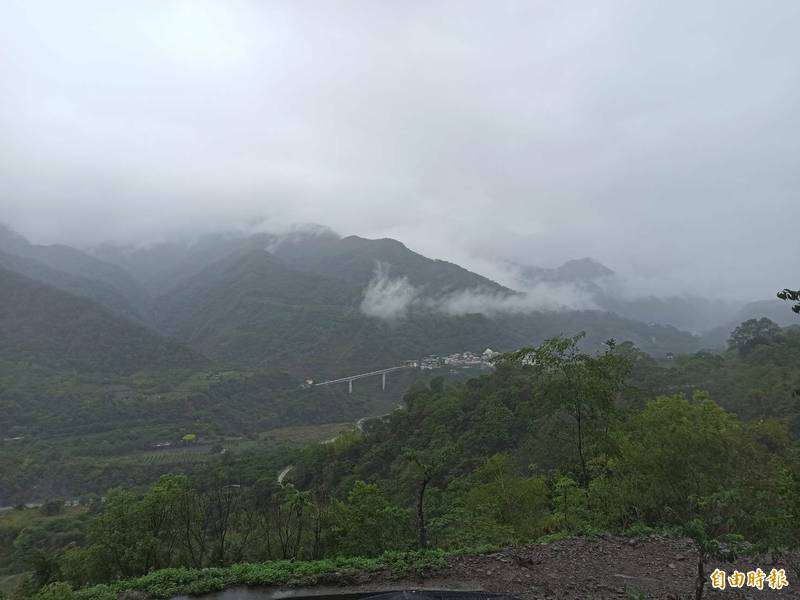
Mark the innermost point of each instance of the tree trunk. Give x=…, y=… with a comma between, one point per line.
x=423, y=533
x=584, y=478
x=701, y=578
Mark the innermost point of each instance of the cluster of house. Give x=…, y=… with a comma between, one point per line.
x=464, y=360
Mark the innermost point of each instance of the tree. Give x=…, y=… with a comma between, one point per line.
x=158, y=509
x=118, y=536
x=44, y=565
x=506, y=503
x=281, y=513
x=369, y=524
x=430, y=462
x=52, y=508
x=792, y=296
x=753, y=332
x=689, y=464
x=776, y=519
x=582, y=386
x=290, y=528
x=225, y=501
x=676, y=450
x=56, y=591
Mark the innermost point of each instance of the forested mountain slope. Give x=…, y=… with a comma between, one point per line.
x=44, y=325
x=294, y=302
x=554, y=443
x=76, y=272
x=252, y=277
x=354, y=259
x=162, y=267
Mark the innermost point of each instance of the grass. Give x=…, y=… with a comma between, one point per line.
x=301, y=435
x=297, y=435
x=21, y=519
x=171, y=582
x=9, y=583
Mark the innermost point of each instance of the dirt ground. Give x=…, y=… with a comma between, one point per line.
x=655, y=566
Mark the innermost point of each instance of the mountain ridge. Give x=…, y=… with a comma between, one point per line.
x=295, y=300
x=48, y=326
x=74, y=271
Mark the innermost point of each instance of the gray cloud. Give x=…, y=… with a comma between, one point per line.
x=394, y=298
x=389, y=298
x=659, y=138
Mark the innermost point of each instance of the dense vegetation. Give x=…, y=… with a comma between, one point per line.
x=68, y=435
x=46, y=326
x=167, y=583
x=75, y=272
x=554, y=442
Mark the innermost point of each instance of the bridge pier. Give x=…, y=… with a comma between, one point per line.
x=350, y=379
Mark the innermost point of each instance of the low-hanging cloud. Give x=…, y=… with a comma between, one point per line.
x=392, y=299
x=541, y=297
x=386, y=298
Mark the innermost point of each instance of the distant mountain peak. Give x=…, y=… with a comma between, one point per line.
x=11, y=240
x=578, y=270
x=302, y=234
x=585, y=268
x=385, y=241
x=312, y=229
x=7, y=230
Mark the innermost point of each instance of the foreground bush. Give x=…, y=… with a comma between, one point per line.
x=166, y=583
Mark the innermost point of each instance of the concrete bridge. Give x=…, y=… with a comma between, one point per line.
x=349, y=380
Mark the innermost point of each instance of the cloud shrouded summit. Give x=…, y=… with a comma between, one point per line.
x=658, y=138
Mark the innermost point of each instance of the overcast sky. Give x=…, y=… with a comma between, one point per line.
x=660, y=138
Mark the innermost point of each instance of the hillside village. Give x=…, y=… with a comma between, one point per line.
x=464, y=360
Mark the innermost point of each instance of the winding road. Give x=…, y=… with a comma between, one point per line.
x=359, y=427
x=284, y=473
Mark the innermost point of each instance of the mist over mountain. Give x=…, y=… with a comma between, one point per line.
x=46, y=326
x=77, y=272
x=311, y=301
x=239, y=296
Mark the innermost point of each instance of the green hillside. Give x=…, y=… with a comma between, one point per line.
x=554, y=443
x=354, y=259
x=161, y=267
x=297, y=307
x=43, y=325
x=206, y=301
x=75, y=272
x=317, y=340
